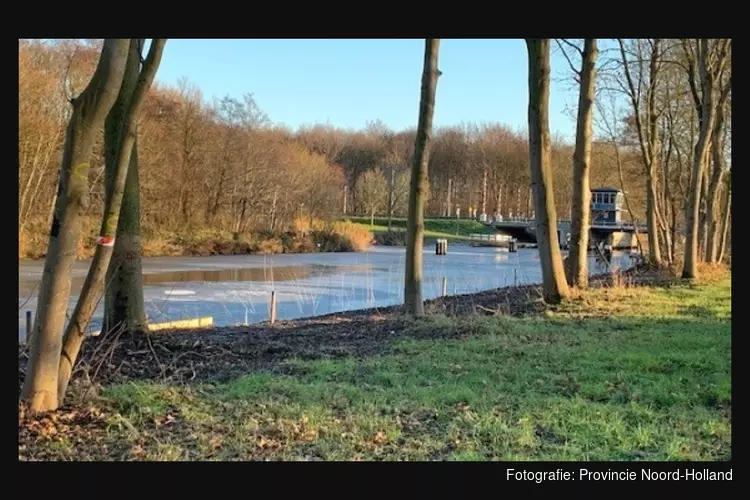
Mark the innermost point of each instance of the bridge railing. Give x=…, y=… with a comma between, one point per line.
x=489, y=237
x=626, y=225
x=622, y=224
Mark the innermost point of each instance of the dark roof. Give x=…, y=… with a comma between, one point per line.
x=606, y=190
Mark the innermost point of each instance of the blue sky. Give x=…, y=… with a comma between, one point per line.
x=347, y=82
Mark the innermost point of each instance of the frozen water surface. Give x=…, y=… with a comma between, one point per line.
x=236, y=289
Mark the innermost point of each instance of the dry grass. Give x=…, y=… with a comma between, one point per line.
x=160, y=246
x=304, y=237
x=359, y=237
x=303, y=225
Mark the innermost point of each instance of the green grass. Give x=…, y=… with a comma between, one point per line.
x=619, y=374
x=434, y=228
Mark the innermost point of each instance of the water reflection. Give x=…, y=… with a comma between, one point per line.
x=261, y=274
x=266, y=274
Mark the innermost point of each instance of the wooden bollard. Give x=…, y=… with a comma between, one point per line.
x=28, y=324
x=444, y=291
x=272, y=318
x=441, y=246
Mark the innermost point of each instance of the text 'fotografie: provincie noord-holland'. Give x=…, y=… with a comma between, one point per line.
x=626, y=475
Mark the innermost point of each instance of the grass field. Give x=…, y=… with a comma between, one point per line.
x=434, y=228
x=629, y=373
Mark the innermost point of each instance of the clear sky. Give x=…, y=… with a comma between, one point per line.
x=348, y=82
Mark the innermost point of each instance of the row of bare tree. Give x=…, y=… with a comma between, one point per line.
x=678, y=93
x=222, y=164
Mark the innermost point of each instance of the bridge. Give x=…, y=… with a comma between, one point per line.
x=607, y=226
x=618, y=234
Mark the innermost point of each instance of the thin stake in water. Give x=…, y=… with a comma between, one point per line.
x=273, y=307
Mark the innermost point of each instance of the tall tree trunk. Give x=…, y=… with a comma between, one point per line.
x=727, y=223
x=418, y=187
x=540, y=158
x=484, y=191
x=668, y=211
x=131, y=97
x=581, y=210
x=89, y=111
x=499, y=201
x=391, y=182
x=703, y=211
x=529, y=202
x=274, y=209
x=647, y=139
x=518, y=201
x=448, y=207
x=714, y=189
x=666, y=229
x=708, y=116
x=654, y=247
x=124, y=306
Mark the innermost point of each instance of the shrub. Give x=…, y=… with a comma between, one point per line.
x=359, y=237
x=394, y=238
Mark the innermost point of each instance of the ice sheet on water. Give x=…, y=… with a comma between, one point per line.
x=376, y=280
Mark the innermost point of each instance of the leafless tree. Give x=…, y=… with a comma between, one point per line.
x=419, y=183
x=706, y=62
x=553, y=275
x=133, y=93
x=578, y=275
x=90, y=109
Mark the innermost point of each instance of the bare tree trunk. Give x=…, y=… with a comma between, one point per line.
x=654, y=247
x=484, y=191
x=418, y=189
x=274, y=209
x=553, y=275
x=674, y=228
x=708, y=115
x=618, y=158
x=499, y=201
x=448, y=207
x=727, y=221
x=714, y=190
x=391, y=183
x=669, y=222
x=666, y=229
x=132, y=98
x=518, y=201
x=89, y=111
x=124, y=306
x=529, y=199
x=703, y=211
x=580, y=212
x=647, y=139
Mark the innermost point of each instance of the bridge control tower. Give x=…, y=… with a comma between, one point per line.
x=606, y=206
x=607, y=226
